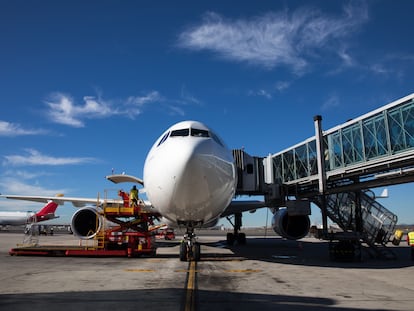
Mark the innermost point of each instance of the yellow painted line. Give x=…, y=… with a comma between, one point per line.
x=190, y=288
x=139, y=270
x=156, y=260
x=187, y=271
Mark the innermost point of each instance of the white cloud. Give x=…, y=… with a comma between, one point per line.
x=332, y=102
x=176, y=110
x=282, y=85
x=64, y=110
x=24, y=182
x=24, y=174
x=14, y=129
x=153, y=96
x=274, y=39
x=347, y=59
x=187, y=97
x=261, y=92
x=11, y=185
x=379, y=69
x=34, y=157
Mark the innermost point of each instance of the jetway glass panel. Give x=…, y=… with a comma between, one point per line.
x=378, y=135
x=278, y=167
x=375, y=137
x=313, y=161
x=335, y=150
x=407, y=115
x=301, y=160
x=401, y=128
x=289, y=172
x=352, y=144
x=397, y=135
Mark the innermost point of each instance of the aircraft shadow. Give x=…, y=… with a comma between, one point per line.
x=306, y=253
x=164, y=299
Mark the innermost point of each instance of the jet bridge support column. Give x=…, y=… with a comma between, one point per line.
x=320, y=154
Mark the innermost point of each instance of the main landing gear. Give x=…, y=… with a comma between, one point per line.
x=189, y=248
x=240, y=237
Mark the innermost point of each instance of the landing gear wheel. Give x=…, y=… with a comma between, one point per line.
x=241, y=239
x=189, y=248
x=230, y=238
x=183, y=251
x=236, y=235
x=196, y=252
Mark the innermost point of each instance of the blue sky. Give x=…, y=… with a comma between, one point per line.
x=87, y=86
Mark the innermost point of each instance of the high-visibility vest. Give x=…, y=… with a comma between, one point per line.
x=133, y=194
x=410, y=238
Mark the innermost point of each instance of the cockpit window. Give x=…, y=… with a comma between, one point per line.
x=217, y=139
x=194, y=132
x=182, y=132
x=164, y=138
x=199, y=133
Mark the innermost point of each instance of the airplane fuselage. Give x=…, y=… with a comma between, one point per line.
x=189, y=174
x=22, y=218
x=15, y=218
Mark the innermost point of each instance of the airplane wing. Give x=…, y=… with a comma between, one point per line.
x=76, y=202
x=242, y=206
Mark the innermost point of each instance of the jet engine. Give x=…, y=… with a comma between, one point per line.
x=86, y=223
x=290, y=227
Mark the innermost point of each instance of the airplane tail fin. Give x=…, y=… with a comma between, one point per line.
x=384, y=193
x=47, y=212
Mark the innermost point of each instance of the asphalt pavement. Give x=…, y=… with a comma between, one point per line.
x=268, y=273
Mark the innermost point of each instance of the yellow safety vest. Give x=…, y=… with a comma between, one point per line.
x=133, y=194
x=410, y=238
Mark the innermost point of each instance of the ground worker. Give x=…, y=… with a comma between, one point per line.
x=133, y=196
x=124, y=197
x=410, y=241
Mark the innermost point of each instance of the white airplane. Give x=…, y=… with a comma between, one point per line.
x=22, y=218
x=190, y=179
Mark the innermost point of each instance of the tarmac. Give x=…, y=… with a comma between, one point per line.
x=267, y=273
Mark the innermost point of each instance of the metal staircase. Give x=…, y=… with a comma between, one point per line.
x=378, y=223
x=31, y=231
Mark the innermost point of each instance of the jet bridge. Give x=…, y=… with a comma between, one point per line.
x=335, y=168
x=376, y=149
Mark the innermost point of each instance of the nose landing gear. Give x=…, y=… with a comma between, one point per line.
x=189, y=248
x=240, y=237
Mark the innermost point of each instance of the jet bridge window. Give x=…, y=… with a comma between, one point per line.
x=182, y=132
x=199, y=133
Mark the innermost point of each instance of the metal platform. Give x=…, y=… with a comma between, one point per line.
x=67, y=251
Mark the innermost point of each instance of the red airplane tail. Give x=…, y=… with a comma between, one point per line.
x=47, y=212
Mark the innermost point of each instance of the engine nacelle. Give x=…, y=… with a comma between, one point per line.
x=290, y=227
x=86, y=223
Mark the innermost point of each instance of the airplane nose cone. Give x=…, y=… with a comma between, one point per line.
x=194, y=183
